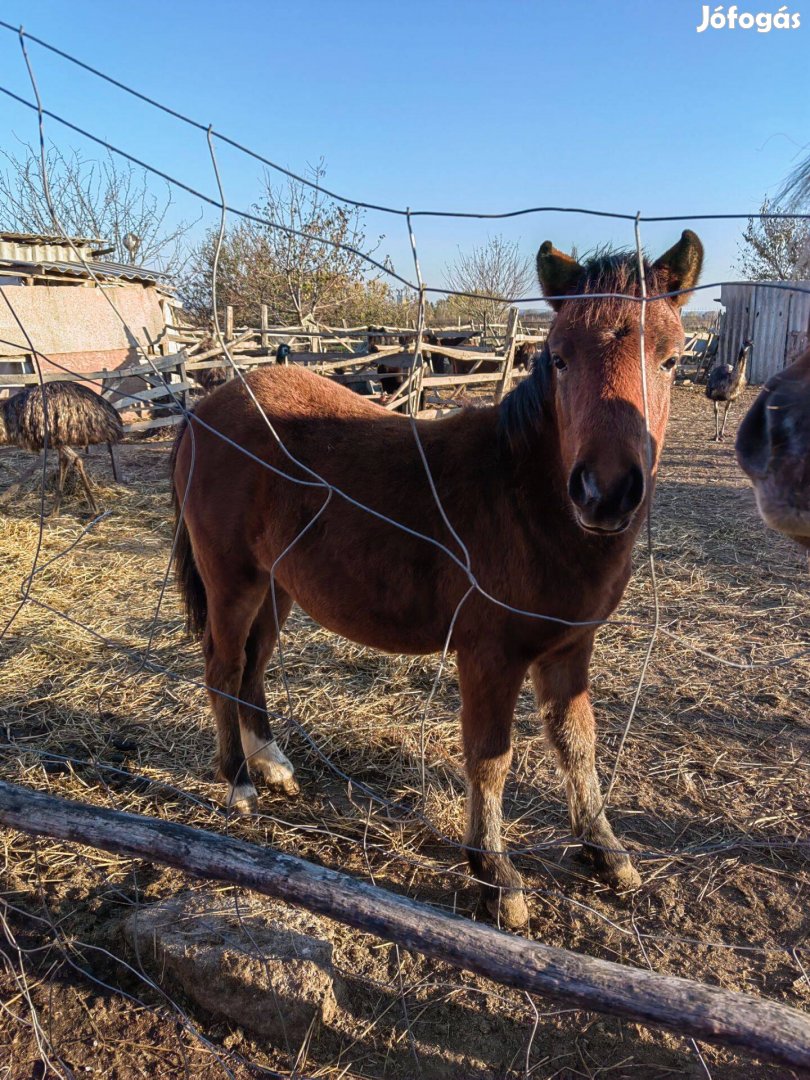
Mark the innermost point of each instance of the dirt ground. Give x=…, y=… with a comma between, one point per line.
x=713, y=792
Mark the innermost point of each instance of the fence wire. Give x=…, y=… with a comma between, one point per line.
x=460, y=558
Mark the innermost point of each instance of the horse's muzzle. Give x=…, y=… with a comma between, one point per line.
x=755, y=437
x=773, y=449
x=605, y=505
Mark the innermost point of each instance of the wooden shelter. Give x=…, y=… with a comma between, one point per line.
x=777, y=320
x=51, y=304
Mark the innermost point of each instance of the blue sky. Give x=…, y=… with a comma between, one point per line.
x=610, y=104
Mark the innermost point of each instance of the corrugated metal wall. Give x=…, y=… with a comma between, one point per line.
x=776, y=320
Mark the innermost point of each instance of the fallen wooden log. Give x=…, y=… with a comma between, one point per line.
x=764, y=1028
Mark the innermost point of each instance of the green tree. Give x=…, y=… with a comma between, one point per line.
x=298, y=270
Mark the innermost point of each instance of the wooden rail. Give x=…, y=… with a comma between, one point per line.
x=253, y=347
x=764, y=1028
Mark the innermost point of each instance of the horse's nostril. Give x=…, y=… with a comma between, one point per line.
x=582, y=487
x=756, y=436
x=602, y=503
x=633, y=490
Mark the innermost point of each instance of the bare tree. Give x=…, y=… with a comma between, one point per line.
x=315, y=276
x=103, y=199
x=496, y=269
x=775, y=249
x=307, y=271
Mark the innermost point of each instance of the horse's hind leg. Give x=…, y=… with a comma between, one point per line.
x=488, y=696
x=562, y=693
x=232, y=608
x=261, y=749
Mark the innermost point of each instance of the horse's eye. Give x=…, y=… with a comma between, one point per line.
x=670, y=364
x=558, y=362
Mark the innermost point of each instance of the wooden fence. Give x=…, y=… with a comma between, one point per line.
x=151, y=389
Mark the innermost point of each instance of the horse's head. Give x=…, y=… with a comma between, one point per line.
x=594, y=354
x=773, y=448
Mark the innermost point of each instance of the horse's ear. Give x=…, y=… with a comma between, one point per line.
x=681, y=266
x=558, y=273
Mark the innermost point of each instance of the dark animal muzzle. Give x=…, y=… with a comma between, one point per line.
x=772, y=432
x=605, y=505
x=754, y=443
x=773, y=449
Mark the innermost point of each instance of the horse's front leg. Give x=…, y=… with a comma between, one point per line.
x=489, y=691
x=562, y=694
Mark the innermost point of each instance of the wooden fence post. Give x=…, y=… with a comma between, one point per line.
x=265, y=340
x=228, y=337
x=508, y=354
x=415, y=391
x=181, y=371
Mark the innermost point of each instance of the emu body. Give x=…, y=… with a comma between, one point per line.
x=547, y=490
x=64, y=416
x=725, y=384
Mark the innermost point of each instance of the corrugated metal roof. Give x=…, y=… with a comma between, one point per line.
x=35, y=248
x=106, y=270
x=32, y=247
x=49, y=238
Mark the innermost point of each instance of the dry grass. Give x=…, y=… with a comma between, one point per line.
x=712, y=791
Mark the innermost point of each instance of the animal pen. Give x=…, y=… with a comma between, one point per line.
x=106, y=798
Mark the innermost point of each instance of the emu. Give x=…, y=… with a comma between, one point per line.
x=76, y=417
x=726, y=383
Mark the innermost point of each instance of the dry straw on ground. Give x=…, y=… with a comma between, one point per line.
x=713, y=790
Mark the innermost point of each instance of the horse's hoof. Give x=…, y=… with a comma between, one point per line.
x=622, y=878
x=627, y=878
x=279, y=779
x=507, y=909
x=291, y=787
x=244, y=801
x=616, y=871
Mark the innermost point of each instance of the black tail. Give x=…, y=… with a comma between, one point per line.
x=186, y=573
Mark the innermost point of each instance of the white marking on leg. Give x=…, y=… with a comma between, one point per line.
x=266, y=756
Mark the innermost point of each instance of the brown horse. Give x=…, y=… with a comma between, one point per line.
x=773, y=449
x=547, y=491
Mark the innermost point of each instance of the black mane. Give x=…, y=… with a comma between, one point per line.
x=526, y=408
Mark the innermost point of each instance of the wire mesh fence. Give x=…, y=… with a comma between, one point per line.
x=377, y=815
